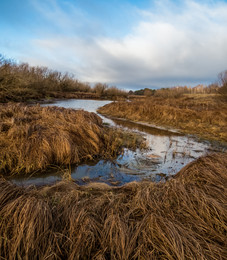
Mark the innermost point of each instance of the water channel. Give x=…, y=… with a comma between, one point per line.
x=168, y=151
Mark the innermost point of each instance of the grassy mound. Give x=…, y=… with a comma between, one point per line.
x=34, y=138
x=184, y=218
x=202, y=115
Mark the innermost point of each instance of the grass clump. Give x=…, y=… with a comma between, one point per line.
x=205, y=116
x=33, y=138
x=184, y=218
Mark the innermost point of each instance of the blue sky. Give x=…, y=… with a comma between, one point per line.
x=128, y=43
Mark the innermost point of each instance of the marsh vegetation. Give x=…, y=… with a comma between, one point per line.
x=167, y=152
x=184, y=218
x=204, y=115
x=33, y=138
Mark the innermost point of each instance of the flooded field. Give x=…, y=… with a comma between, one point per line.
x=168, y=151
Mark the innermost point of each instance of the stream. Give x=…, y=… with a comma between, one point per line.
x=168, y=151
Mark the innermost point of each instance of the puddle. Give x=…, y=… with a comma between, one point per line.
x=168, y=152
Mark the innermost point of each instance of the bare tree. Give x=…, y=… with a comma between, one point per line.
x=100, y=88
x=222, y=80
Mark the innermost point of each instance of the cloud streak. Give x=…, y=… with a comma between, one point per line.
x=168, y=45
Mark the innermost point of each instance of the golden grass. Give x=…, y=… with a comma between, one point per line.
x=184, y=218
x=34, y=138
x=205, y=116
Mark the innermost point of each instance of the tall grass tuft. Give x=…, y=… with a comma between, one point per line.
x=184, y=218
x=33, y=138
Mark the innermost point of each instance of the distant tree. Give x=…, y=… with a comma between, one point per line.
x=20, y=82
x=139, y=92
x=212, y=88
x=222, y=80
x=147, y=92
x=100, y=88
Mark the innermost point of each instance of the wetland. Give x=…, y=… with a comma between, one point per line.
x=167, y=151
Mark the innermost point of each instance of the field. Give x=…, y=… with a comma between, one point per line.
x=203, y=115
x=184, y=218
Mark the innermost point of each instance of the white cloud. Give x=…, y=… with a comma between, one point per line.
x=165, y=48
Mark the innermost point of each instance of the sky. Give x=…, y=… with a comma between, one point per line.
x=131, y=44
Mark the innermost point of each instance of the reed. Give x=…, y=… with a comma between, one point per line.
x=183, y=218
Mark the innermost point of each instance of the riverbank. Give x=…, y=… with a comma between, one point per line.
x=183, y=218
x=33, y=138
x=205, y=116
x=51, y=97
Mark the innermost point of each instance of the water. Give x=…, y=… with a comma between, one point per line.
x=168, y=151
x=88, y=105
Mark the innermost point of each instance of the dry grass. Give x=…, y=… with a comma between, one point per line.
x=196, y=114
x=184, y=218
x=34, y=138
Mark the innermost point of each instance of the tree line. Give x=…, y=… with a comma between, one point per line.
x=219, y=87
x=21, y=82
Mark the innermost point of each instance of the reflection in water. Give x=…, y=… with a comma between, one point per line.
x=168, y=152
x=44, y=178
x=148, y=129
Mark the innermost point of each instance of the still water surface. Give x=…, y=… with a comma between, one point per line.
x=168, y=151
